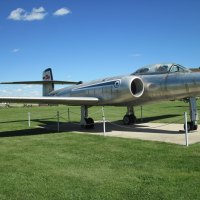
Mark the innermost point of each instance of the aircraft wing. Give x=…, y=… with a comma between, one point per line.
x=42, y=82
x=52, y=100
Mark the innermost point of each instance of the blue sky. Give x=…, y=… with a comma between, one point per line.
x=89, y=39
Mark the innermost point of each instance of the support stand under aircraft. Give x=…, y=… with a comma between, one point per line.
x=192, y=125
x=149, y=84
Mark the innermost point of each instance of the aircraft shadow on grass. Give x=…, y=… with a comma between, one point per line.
x=46, y=126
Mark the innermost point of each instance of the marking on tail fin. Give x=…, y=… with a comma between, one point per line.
x=46, y=77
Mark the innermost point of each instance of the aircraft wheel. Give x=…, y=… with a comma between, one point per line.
x=188, y=126
x=132, y=119
x=129, y=119
x=90, y=123
x=195, y=127
x=126, y=120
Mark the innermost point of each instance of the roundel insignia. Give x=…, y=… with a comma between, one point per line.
x=117, y=84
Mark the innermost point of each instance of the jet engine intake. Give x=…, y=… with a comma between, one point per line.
x=137, y=87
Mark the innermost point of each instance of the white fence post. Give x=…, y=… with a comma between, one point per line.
x=104, y=123
x=29, y=119
x=186, y=129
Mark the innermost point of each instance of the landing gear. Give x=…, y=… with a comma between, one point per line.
x=86, y=122
x=129, y=118
x=191, y=126
x=89, y=123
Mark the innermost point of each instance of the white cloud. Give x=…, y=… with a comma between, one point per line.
x=28, y=86
x=11, y=90
x=19, y=90
x=36, y=14
x=21, y=15
x=17, y=14
x=35, y=93
x=15, y=50
x=62, y=11
x=4, y=91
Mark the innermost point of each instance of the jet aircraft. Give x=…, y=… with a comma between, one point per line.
x=148, y=84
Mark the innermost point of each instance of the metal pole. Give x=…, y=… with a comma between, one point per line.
x=141, y=114
x=68, y=115
x=58, y=121
x=186, y=129
x=104, y=124
x=29, y=119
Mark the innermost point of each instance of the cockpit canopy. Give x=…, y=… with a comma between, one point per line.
x=160, y=69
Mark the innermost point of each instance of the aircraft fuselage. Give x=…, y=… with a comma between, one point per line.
x=137, y=89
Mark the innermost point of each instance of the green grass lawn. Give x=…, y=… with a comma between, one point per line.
x=66, y=165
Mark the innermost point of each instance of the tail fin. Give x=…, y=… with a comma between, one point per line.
x=47, y=76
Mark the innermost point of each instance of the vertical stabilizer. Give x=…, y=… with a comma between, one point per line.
x=48, y=87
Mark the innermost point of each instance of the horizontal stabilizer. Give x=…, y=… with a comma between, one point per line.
x=42, y=82
x=52, y=100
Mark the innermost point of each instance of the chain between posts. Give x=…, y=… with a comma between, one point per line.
x=59, y=115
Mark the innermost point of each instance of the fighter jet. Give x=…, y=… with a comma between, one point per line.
x=148, y=84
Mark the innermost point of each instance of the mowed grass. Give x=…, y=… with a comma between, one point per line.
x=65, y=165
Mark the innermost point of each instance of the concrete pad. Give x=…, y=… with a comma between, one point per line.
x=170, y=133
